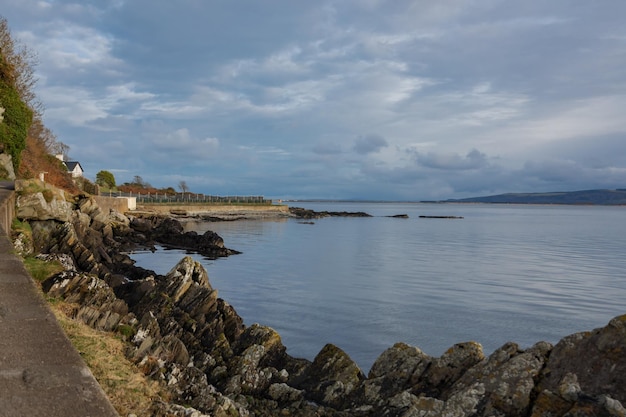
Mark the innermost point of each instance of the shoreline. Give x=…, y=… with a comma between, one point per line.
x=224, y=212
x=179, y=331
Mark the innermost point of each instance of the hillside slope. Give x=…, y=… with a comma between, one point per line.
x=590, y=197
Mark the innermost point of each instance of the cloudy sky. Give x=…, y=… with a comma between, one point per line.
x=366, y=99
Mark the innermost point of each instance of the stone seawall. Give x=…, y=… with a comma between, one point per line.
x=7, y=207
x=41, y=374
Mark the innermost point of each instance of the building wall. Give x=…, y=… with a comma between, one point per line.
x=121, y=204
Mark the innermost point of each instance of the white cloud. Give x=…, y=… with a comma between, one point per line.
x=178, y=147
x=76, y=48
x=127, y=92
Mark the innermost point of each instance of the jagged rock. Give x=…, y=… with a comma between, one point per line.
x=169, y=232
x=185, y=274
x=393, y=371
x=64, y=259
x=266, y=337
x=97, y=304
x=508, y=377
x=88, y=206
x=209, y=244
x=586, y=374
x=332, y=377
x=597, y=358
x=249, y=377
x=444, y=371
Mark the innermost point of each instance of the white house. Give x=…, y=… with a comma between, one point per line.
x=73, y=167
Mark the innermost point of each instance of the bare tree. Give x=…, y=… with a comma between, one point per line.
x=60, y=148
x=183, y=187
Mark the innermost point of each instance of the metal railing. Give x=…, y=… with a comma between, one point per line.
x=190, y=198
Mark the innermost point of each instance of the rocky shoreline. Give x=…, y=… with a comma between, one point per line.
x=180, y=332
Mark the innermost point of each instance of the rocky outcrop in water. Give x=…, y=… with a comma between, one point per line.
x=180, y=332
x=301, y=213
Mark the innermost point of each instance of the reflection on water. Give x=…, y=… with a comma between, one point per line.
x=503, y=273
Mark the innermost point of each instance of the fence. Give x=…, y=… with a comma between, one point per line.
x=191, y=198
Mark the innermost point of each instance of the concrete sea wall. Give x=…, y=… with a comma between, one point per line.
x=7, y=208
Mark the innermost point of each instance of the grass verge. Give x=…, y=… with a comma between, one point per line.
x=128, y=389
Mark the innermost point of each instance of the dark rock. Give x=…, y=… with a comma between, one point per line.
x=440, y=217
x=302, y=213
x=444, y=371
x=169, y=232
x=393, y=372
x=332, y=378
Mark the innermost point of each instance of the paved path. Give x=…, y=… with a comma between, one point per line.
x=41, y=374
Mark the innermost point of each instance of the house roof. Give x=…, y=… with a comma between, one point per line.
x=71, y=165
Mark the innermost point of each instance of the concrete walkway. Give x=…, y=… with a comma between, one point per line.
x=41, y=374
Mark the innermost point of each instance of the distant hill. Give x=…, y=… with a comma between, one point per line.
x=589, y=197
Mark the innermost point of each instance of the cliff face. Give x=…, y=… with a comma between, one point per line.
x=181, y=332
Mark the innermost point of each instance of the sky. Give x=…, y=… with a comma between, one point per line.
x=336, y=99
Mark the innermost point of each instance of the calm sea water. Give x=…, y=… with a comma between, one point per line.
x=502, y=273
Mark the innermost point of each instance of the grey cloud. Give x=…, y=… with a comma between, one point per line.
x=452, y=161
x=327, y=148
x=369, y=144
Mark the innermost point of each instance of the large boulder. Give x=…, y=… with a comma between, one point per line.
x=6, y=167
x=332, y=378
x=43, y=205
x=393, y=373
x=586, y=374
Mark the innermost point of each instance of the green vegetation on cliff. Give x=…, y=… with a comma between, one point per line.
x=18, y=116
x=23, y=134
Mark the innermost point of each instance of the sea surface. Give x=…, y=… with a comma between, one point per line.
x=520, y=273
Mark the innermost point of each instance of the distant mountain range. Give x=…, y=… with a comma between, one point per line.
x=589, y=197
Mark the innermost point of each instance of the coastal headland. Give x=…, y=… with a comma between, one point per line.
x=179, y=332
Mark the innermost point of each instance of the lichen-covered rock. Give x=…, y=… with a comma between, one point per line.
x=96, y=302
x=331, y=378
x=508, y=377
x=596, y=358
x=393, y=372
x=284, y=393
x=444, y=371
x=39, y=201
x=185, y=274
x=248, y=376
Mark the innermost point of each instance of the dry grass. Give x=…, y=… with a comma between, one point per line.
x=128, y=389
x=35, y=159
